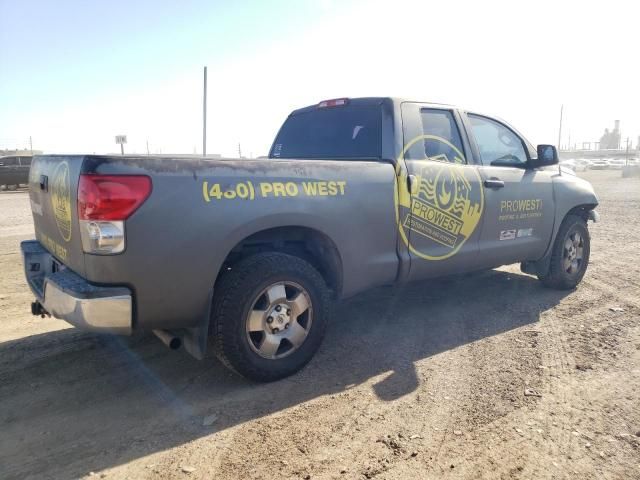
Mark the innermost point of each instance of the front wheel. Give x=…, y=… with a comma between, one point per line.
x=570, y=255
x=270, y=313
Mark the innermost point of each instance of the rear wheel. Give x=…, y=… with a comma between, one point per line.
x=269, y=314
x=570, y=256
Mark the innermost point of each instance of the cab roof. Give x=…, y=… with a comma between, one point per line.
x=371, y=101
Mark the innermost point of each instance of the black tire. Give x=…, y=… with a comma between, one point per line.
x=234, y=297
x=558, y=277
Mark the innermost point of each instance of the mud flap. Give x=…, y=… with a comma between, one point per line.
x=195, y=339
x=537, y=267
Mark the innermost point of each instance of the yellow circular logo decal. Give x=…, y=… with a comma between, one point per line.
x=445, y=205
x=61, y=199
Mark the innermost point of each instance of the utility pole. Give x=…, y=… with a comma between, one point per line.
x=239, y=151
x=560, y=129
x=147, y=147
x=204, y=115
x=31, y=144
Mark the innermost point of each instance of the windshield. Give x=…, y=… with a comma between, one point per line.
x=352, y=131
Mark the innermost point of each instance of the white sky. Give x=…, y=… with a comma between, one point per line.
x=518, y=60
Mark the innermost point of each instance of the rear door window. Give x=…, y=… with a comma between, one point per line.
x=440, y=138
x=351, y=131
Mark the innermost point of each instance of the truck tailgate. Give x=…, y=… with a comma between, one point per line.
x=53, y=185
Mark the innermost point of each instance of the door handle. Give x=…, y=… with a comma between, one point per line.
x=411, y=181
x=494, y=183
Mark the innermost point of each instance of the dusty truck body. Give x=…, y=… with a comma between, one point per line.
x=249, y=254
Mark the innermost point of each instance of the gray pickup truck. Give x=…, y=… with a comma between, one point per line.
x=250, y=254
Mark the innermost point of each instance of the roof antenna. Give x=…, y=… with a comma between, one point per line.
x=560, y=139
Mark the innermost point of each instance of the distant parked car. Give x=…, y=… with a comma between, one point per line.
x=582, y=164
x=599, y=164
x=632, y=168
x=570, y=164
x=14, y=170
x=616, y=163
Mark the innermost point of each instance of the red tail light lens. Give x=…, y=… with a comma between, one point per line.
x=111, y=197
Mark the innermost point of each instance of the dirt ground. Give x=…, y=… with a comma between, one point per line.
x=422, y=381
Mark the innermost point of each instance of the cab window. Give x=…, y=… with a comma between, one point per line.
x=498, y=145
x=441, y=138
x=351, y=131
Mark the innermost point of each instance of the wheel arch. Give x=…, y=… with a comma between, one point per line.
x=539, y=267
x=579, y=210
x=307, y=243
x=291, y=233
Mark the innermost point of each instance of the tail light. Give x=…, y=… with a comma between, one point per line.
x=104, y=203
x=111, y=197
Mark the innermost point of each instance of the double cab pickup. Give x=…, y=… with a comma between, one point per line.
x=247, y=256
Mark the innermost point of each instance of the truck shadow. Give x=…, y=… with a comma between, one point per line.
x=72, y=402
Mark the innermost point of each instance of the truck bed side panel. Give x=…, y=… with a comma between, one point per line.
x=178, y=240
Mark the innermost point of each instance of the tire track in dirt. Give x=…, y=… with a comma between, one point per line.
x=621, y=294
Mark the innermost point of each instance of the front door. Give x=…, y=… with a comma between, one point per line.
x=439, y=218
x=519, y=215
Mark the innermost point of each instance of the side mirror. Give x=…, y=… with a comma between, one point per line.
x=547, y=155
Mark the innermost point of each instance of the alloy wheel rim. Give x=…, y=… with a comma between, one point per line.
x=573, y=253
x=279, y=320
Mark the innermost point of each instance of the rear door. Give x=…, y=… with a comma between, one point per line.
x=439, y=218
x=519, y=212
x=53, y=184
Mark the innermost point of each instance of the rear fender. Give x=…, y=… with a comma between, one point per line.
x=195, y=339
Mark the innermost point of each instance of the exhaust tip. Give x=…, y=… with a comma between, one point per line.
x=169, y=339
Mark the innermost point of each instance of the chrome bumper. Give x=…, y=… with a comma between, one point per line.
x=67, y=296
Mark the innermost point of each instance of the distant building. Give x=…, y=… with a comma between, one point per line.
x=611, y=140
x=19, y=152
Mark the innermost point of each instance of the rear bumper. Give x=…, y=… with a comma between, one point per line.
x=67, y=296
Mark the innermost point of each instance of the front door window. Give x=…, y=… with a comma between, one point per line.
x=498, y=146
